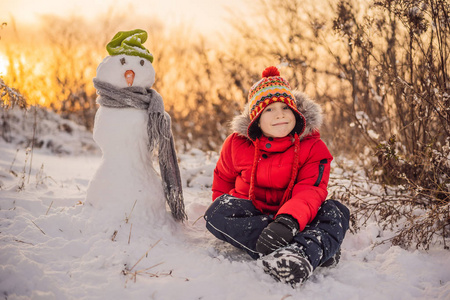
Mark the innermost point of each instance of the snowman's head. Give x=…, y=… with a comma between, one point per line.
x=129, y=63
x=126, y=70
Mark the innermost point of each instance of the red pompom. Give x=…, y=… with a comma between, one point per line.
x=270, y=71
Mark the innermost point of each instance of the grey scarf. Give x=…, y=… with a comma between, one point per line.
x=159, y=134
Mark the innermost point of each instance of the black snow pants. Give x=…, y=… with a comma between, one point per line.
x=239, y=223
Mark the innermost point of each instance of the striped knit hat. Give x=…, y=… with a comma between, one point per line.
x=271, y=88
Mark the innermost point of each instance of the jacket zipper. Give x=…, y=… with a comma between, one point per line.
x=321, y=169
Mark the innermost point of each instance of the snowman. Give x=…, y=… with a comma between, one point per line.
x=131, y=128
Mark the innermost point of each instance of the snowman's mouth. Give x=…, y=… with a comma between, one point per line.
x=129, y=77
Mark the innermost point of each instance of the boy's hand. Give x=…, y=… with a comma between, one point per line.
x=277, y=234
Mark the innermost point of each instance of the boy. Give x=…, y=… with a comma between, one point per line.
x=270, y=185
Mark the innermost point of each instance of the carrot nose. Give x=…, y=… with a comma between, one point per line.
x=129, y=77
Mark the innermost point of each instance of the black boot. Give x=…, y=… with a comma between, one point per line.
x=289, y=265
x=333, y=261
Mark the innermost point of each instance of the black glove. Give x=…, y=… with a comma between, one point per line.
x=277, y=234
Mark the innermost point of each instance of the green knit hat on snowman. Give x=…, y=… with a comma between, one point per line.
x=129, y=43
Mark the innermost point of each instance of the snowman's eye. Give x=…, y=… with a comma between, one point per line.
x=122, y=60
x=142, y=62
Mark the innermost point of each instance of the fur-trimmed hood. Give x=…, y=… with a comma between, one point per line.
x=308, y=107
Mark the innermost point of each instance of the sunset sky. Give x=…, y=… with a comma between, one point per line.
x=203, y=15
x=206, y=17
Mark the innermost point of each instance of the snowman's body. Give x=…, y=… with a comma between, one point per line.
x=126, y=177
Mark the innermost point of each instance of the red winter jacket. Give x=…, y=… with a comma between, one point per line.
x=233, y=170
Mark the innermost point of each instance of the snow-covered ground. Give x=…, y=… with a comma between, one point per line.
x=54, y=246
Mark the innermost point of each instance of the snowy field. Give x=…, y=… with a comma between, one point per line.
x=54, y=246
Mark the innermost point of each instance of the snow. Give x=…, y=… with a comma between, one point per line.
x=373, y=134
x=54, y=245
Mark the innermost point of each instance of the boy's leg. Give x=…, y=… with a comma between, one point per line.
x=322, y=238
x=315, y=245
x=237, y=222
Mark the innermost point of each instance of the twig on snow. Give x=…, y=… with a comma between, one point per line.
x=133, y=274
x=12, y=164
x=20, y=241
x=38, y=227
x=113, y=237
x=129, y=236
x=127, y=218
x=49, y=208
x=197, y=220
x=144, y=255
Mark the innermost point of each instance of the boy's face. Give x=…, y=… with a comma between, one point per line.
x=277, y=120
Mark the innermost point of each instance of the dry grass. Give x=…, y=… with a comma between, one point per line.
x=409, y=215
x=131, y=274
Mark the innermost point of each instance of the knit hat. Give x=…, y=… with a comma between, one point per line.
x=271, y=88
x=129, y=43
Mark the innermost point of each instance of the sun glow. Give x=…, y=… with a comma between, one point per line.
x=4, y=63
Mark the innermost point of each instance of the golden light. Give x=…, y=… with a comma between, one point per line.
x=4, y=63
